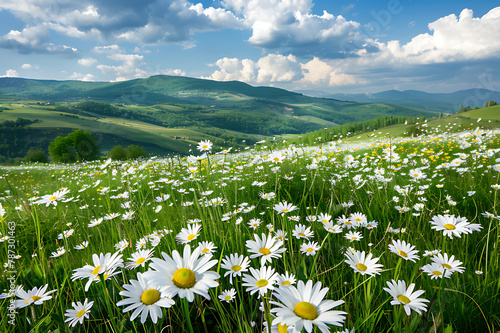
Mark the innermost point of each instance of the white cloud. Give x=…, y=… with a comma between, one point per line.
x=129, y=69
x=172, y=72
x=29, y=66
x=10, y=73
x=81, y=77
x=278, y=68
x=87, y=61
x=231, y=69
x=106, y=49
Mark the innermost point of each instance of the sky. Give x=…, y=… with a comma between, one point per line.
x=361, y=46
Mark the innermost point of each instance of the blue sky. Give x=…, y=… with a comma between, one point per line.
x=330, y=46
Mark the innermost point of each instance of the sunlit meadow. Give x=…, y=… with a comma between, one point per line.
x=389, y=235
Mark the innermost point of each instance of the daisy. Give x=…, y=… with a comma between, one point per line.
x=186, y=235
x=60, y=251
x=303, y=306
x=450, y=263
x=66, y=234
x=357, y=219
x=450, y=225
x=284, y=207
x=344, y=222
x=207, y=247
x=325, y=218
x=286, y=279
x=205, y=145
x=310, y=248
x=139, y=258
x=95, y=222
x=404, y=250
x=227, y=295
x=103, y=264
x=52, y=199
x=145, y=298
x=301, y=231
x=363, y=264
x=353, y=236
x=254, y=223
x=406, y=297
x=34, y=296
x=128, y=215
x=82, y=245
x=370, y=225
x=78, y=313
x=235, y=265
x=111, y=216
x=267, y=247
x=184, y=276
x=436, y=270
x=122, y=245
x=332, y=228
x=281, y=235
x=260, y=280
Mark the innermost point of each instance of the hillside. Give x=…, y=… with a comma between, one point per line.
x=167, y=114
x=440, y=102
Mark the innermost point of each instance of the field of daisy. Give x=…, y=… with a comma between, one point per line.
x=396, y=235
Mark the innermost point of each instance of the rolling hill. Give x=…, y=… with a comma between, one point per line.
x=167, y=114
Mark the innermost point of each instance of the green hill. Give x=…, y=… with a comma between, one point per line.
x=167, y=114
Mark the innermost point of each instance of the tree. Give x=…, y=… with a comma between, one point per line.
x=36, y=155
x=118, y=153
x=76, y=146
x=135, y=151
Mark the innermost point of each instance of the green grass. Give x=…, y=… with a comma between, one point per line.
x=465, y=302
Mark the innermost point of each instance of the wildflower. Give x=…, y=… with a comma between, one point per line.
x=145, y=299
x=303, y=306
x=34, y=296
x=449, y=263
x=207, y=247
x=187, y=235
x=60, y=251
x=205, y=145
x=66, y=234
x=309, y=248
x=227, y=295
x=184, y=276
x=332, y=228
x=353, y=236
x=406, y=297
x=78, y=313
x=235, y=265
x=436, y=270
x=82, y=245
x=52, y=199
x=284, y=207
x=266, y=247
x=103, y=264
x=363, y=264
x=286, y=279
x=139, y=258
x=404, y=250
x=301, y=231
x=260, y=280
x=450, y=225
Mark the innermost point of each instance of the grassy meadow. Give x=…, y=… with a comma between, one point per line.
x=392, y=235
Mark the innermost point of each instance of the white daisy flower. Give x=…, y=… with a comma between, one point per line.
x=436, y=271
x=207, y=247
x=145, y=299
x=186, y=235
x=363, y=264
x=184, y=276
x=406, y=297
x=78, y=313
x=260, y=280
x=309, y=248
x=139, y=258
x=404, y=250
x=266, y=247
x=301, y=231
x=450, y=263
x=227, y=295
x=34, y=296
x=303, y=306
x=235, y=265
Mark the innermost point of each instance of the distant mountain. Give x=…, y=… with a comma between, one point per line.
x=441, y=102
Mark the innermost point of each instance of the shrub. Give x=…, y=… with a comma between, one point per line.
x=36, y=155
x=118, y=153
x=76, y=146
x=135, y=151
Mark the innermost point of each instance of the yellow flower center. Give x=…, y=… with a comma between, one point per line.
x=348, y=223
x=95, y=271
x=265, y=251
x=262, y=283
x=140, y=261
x=446, y=266
x=106, y=276
x=310, y=249
x=306, y=310
x=236, y=268
x=285, y=210
x=191, y=237
x=150, y=296
x=358, y=220
x=415, y=175
x=302, y=234
x=34, y=298
x=205, y=250
x=361, y=267
x=80, y=313
x=404, y=299
x=282, y=328
x=450, y=226
x=438, y=273
x=184, y=278
x=227, y=298
x=205, y=147
x=53, y=198
x=402, y=253
x=354, y=237
x=276, y=159
x=285, y=283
